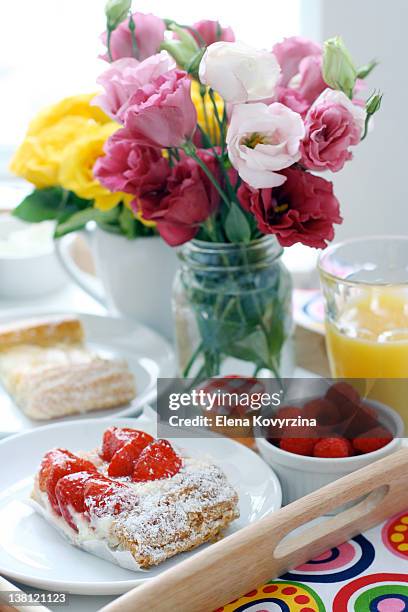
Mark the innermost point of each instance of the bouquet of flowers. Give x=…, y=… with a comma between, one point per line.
x=223, y=143
x=243, y=165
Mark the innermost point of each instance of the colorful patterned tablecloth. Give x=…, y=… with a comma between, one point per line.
x=367, y=574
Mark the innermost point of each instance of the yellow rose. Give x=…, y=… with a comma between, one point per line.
x=76, y=168
x=78, y=106
x=38, y=158
x=205, y=111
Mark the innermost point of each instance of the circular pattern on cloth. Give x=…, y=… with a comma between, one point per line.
x=277, y=596
x=383, y=592
x=395, y=535
x=341, y=563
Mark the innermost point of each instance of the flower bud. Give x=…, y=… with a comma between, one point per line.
x=116, y=11
x=339, y=71
x=184, y=48
x=194, y=63
x=373, y=103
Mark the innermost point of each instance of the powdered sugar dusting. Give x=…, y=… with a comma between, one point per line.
x=157, y=519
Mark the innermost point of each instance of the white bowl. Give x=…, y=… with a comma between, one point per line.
x=32, y=270
x=301, y=475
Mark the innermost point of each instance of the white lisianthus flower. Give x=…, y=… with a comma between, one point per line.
x=239, y=73
x=263, y=139
x=334, y=96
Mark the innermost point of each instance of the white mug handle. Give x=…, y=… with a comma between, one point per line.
x=62, y=249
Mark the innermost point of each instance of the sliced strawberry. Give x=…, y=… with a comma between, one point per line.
x=59, y=463
x=123, y=461
x=53, y=456
x=69, y=492
x=372, y=440
x=104, y=496
x=158, y=460
x=115, y=438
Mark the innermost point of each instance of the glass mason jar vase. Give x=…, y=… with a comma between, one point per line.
x=232, y=310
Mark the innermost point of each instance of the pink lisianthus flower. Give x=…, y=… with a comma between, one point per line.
x=149, y=32
x=125, y=77
x=262, y=140
x=303, y=209
x=210, y=32
x=187, y=201
x=290, y=52
x=310, y=80
x=130, y=167
x=162, y=113
x=333, y=124
x=292, y=99
x=300, y=60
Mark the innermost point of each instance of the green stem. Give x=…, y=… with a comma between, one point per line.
x=190, y=150
x=206, y=121
x=108, y=42
x=262, y=325
x=132, y=28
x=192, y=359
x=367, y=120
x=221, y=124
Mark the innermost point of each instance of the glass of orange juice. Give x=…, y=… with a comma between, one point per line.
x=365, y=285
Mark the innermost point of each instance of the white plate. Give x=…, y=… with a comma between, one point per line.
x=148, y=355
x=34, y=553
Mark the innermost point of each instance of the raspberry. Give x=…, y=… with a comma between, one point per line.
x=364, y=419
x=70, y=494
x=323, y=410
x=332, y=447
x=158, y=460
x=275, y=433
x=345, y=397
x=56, y=464
x=123, y=461
x=299, y=446
x=372, y=440
x=288, y=412
x=116, y=437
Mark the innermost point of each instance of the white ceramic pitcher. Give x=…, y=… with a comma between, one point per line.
x=135, y=277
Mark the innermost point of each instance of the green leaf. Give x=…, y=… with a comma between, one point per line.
x=41, y=205
x=237, y=227
x=51, y=203
x=76, y=222
x=127, y=223
x=364, y=71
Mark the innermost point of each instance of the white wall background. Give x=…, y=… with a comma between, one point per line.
x=49, y=48
x=373, y=188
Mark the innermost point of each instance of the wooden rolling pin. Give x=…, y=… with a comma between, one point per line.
x=257, y=553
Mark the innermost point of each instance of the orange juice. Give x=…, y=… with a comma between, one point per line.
x=370, y=340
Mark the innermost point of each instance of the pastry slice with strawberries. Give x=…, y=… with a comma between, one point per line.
x=135, y=494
